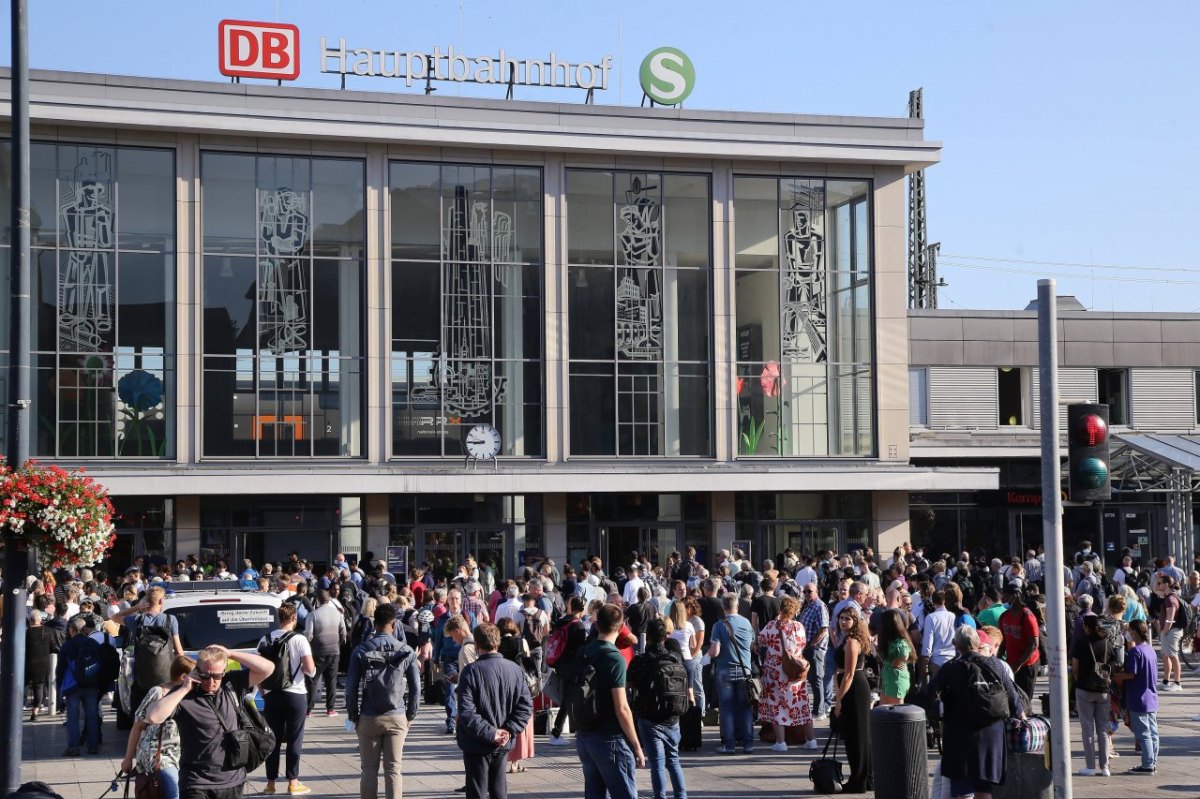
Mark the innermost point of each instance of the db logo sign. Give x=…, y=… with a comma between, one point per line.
x=259, y=49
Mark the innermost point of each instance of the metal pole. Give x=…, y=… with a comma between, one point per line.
x=16, y=559
x=1056, y=620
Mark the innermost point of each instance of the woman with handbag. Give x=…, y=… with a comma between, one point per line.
x=154, y=748
x=784, y=701
x=514, y=647
x=852, y=698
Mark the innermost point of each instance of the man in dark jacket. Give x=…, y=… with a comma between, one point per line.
x=493, y=708
x=381, y=732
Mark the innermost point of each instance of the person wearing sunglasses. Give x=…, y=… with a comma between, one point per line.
x=204, y=708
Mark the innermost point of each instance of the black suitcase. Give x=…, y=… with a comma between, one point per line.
x=691, y=730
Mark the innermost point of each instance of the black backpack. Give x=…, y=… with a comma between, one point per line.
x=666, y=697
x=87, y=667
x=1099, y=677
x=580, y=693
x=110, y=662
x=979, y=692
x=152, y=655
x=1186, y=615
x=385, y=682
x=277, y=652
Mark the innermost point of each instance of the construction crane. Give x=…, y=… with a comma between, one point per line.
x=923, y=281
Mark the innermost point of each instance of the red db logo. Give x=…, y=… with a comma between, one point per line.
x=259, y=49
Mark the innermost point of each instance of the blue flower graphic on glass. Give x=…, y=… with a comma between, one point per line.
x=140, y=390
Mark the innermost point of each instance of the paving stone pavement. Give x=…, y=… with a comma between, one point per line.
x=433, y=768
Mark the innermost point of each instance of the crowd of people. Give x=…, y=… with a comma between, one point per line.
x=634, y=659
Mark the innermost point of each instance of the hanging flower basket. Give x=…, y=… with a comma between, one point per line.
x=66, y=515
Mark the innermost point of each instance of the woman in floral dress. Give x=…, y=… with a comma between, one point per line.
x=784, y=703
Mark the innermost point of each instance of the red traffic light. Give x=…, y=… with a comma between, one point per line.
x=1090, y=431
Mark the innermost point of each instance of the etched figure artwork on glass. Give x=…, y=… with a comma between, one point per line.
x=283, y=225
x=803, y=278
x=639, y=299
x=464, y=369
x=85, y=288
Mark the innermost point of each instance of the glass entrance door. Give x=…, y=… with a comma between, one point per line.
x=444, y=548
x=1027, y=531
x=622, y=544
x=802, y=537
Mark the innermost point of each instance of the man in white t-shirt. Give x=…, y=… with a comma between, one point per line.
x=806, y=575
x=286, y=708
x=629, y=595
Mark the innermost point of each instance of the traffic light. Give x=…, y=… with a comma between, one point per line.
x=1087, y=451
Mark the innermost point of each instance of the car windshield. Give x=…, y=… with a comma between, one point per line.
x=232, y=625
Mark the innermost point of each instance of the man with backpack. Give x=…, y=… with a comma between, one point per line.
x=286, y=702
x=80, y=677
x=562, y=647
x=662, y=696
x=382, y=696
x=494, y=707
x=606, y=739
x=154, y=639
x=1172, y=619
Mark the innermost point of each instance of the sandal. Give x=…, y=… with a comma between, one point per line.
x=519, y=768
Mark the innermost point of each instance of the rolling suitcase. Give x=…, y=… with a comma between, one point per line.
x=690, y=730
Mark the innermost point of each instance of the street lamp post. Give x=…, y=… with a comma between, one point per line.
x=16, y=559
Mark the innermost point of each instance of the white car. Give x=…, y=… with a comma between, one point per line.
x=235, y=619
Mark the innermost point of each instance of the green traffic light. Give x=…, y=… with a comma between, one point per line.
x=1093, y=474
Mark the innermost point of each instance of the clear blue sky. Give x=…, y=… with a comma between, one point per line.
x=1070, y=128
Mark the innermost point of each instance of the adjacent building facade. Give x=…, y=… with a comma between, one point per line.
x=267, y=318
x=973, y=400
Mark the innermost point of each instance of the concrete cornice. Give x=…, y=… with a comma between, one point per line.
x=155, y=104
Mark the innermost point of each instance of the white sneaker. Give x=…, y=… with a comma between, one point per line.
x=558, y=740
x=1104, y=773
x=779, y=747
x=812, y=744
x=1087, y=772
x=822, y=717
x=1173, y=688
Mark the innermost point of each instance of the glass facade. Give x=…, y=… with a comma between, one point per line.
x=102, y=274
x=638, y=301
x=803, y=315
x=466, y=312
x=283, y=287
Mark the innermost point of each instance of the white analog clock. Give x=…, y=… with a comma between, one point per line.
x=483, y=442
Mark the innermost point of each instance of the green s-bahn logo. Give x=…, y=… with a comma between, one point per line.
x=668, y=76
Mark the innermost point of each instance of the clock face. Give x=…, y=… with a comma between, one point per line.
x=483, y=442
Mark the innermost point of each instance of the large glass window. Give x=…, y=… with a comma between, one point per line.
x=283, y=306
x=102, y=225
x=466, y=307
x=639, y=252
x=803, y=315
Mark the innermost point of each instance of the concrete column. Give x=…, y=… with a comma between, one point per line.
x=889, y=517
x=554, y=512
x=183, y=415
x=350, y=536
x=724, y=323
x=187, y=528
x=556, y=404
x=891, y=315
x=376, y=525
x=378, y=325
x=724, y=527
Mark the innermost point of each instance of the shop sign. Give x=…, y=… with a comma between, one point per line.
x=668, y=76
x=452, y=65
x=397, y=560
x=258, y=49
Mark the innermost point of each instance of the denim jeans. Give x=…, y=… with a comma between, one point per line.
x=736, y=720
x=609, y=769
x=1145, y=729
x=830, y=675
x=85, y=701
x=696, y=681
x=661, y=746
x=168, y=777
x=818, y=696
x=450, y=688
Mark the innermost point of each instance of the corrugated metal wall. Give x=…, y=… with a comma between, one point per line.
x=963, y=397
x=1164, y=400
x=1074, y=385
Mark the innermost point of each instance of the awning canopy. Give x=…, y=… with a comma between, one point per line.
x=1162, y=464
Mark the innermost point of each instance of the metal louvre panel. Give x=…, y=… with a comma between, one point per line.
x=1164, y=400
x=1074, y=385
x=963, y=397
x=918, y=392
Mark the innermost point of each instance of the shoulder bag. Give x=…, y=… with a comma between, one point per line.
x=827, y=773
x=248, y=745
x=794, y=668
x=754, y=686
x=149, y=786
